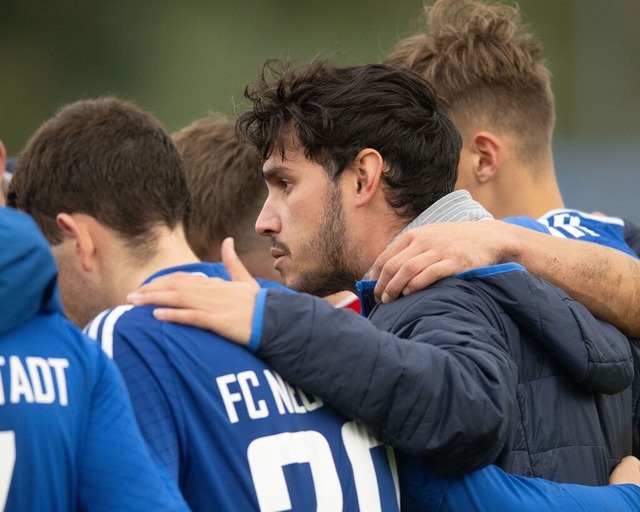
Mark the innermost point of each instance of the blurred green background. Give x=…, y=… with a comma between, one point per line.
x=181, y=60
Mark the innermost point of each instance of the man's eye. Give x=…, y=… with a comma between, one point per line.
x=284, y=185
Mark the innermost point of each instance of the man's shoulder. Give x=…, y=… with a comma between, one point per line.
x=478, y=281
x=126, y=326
x=51, y=335
x=485, y=292
x=444, y=297
x=130, y=333
x=589, y=227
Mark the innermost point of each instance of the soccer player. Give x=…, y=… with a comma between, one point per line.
x=106, y=185
x=460, y=373
x=488, y=71
x=68, y=436
x=224, y=177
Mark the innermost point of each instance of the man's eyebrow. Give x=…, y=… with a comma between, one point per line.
x=274, y=171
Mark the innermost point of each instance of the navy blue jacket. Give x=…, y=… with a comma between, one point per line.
x=494, y=365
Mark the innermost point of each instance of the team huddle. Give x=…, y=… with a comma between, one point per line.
x=363, y=294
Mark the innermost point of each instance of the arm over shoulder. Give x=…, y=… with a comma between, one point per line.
x=438, y=384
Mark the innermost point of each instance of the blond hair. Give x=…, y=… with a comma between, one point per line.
x=486, y=66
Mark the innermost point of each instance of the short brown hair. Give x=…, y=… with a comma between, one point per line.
x=225, y=180
x=484, y=63
x=105, y=158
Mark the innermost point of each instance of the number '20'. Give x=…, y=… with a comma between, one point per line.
x=268, y=455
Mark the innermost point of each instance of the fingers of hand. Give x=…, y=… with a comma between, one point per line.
x=404, y=275
x=232, y=263
x=180, y=289
x=392, y=251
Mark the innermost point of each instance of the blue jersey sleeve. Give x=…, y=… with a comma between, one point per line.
x=527, y=222
x=599, y=229
x=116, y=457
x=494, y=490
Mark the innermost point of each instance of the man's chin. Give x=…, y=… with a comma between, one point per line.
x=290, y=282
x=314, y=284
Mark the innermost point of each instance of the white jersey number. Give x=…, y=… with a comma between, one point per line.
x=268, y=455
x=7, y=462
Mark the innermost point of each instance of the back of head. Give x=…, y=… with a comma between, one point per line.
x=226, y=185
x=486, y=68
x=105, y=158
x=333, y=113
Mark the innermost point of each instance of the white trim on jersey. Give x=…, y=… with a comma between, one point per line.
x=599, y=218
x=91, y=329
x=103, y=325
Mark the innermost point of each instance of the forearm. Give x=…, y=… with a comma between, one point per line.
x=492, y=489
x=606, y=281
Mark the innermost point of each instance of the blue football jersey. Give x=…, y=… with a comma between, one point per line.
x=490, y=489
x=600, y=229
x=233, y=433
x=68, y=436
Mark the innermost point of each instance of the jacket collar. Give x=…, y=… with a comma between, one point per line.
x=457, y=206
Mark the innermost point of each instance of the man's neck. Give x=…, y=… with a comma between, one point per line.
x=532, y=197
x=535, y=204
x=456, y=206
x=128, y=274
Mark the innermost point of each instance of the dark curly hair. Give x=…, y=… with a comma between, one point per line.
x=332, y=113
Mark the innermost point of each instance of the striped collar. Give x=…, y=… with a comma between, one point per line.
x=454, y=207
x=457, y=206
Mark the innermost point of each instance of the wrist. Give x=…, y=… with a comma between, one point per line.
x=257, y=320
x=511, y=245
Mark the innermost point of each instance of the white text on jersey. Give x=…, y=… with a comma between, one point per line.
x=34, y=382
x=237, y=388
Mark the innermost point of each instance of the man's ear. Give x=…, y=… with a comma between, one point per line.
x=80, y=232
x=367, y=166
x=487, y=150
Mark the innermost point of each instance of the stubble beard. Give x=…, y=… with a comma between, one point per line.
x=337, y=258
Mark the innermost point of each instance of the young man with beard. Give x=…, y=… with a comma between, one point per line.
x=489, y=73
x=463, y=373
x=224, y=177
